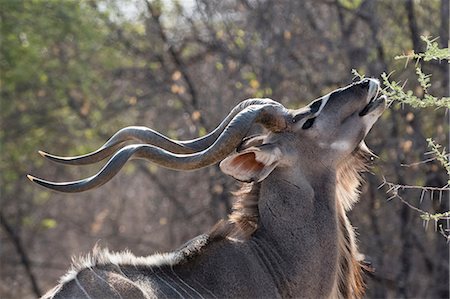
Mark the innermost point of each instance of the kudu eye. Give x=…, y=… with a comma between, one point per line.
x=308, y=124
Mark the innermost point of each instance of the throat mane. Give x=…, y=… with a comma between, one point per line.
x=349, y=281
x=243, y=220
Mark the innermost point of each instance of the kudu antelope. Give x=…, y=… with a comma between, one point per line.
x=288, y=234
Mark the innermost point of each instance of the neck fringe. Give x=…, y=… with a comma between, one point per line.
x=243, y=222
x=349, y=281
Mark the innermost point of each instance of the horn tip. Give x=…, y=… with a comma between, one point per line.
x=31, y=178
x=42, y=153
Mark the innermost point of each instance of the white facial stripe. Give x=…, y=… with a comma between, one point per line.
x=341, y=145
x=324, y=99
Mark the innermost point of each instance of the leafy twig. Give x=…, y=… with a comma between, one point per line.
x=394, y=91
x=357, y=75
x=432, y=52
x=441, y=156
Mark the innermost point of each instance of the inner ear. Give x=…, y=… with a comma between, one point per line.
x=252, y=164
x=248, y=162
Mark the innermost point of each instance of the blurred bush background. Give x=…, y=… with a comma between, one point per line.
x=75, y=72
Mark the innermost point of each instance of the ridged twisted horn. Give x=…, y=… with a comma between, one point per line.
x=152, y=137
x=273, y=117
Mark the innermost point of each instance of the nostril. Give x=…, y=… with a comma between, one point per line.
x=364, y=83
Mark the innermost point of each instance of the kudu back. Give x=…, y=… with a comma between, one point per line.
x=288, y=234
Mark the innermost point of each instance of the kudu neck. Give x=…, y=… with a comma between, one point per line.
x=288, y=199
x=298, y=218
x=296, y=197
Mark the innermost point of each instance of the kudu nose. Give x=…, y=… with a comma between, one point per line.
x=363, y=83
x=369, y=86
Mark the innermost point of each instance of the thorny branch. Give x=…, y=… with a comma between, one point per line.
x=394, y=190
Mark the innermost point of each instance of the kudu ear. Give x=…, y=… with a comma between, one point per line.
x=253, y=164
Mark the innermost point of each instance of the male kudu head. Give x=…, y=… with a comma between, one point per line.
x=318, y=135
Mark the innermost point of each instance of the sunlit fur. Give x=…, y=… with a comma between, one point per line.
x=350, y=282
x=102, y=256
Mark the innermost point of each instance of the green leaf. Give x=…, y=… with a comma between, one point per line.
x=350, y=4
x=49, y=223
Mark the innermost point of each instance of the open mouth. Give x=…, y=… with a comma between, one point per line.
x=373, y=104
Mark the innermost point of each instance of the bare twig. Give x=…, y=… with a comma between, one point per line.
x=21, y=252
